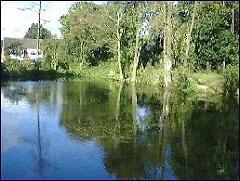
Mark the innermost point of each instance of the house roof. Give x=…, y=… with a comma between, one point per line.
x=25, y=42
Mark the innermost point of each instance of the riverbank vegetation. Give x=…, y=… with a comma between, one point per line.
x=190, y=44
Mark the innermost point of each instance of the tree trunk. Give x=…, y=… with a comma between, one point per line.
x=232, y=25
x=167, y=43
x=81, y=52
x=136, y=56
x=208, y=66
x=190, y=29
x=224, y=65
x=119, y=36
x=55, y=54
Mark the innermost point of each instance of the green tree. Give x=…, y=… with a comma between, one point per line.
x=50, y=48
x=33, y=30
x=214, y=41
x=83, y=32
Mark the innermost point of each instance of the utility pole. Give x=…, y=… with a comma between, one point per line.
x=39, y=20
x=39, y=10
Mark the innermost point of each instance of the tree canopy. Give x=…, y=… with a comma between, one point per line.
x=33, y=30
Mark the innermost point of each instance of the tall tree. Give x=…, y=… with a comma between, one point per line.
x=167, y=57
x=189, y=34
x=138, y=14
x=50, y=47
x=214, y=42
x=115, y=14
x=119, y=36
x=33, y=31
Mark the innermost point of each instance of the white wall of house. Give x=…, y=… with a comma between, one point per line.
x=16, y=57
x=32, y=53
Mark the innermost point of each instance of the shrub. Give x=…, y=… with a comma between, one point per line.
x=181, y=79
x=231, y=79
x=151, y=74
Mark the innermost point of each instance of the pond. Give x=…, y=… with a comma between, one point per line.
x=105, y=130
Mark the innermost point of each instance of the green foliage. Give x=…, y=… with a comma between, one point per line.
x=98, y=55
x=107, y=70
x=33, y=30
x=151, y=51
x=84, y=30
x=181, y=79
x=13, y=70
x=89, y=44
x=50, y=49
x=151, y=75
x=213, y=39
x=231, y=79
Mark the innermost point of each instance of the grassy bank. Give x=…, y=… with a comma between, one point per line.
x=151, y=76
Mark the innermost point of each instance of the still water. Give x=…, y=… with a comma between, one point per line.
x=103, y=130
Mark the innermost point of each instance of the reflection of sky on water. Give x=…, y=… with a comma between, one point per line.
x=20, y=156
x=11, y=111
x=168, y=171
x=165, y=172
x=54, y=151
x=143, y=113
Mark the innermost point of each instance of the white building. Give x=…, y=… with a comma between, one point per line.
x=28, y=49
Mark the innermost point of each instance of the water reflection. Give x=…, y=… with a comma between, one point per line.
x=107, y=130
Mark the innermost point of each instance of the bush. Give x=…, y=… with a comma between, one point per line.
x=181, y=79
x=151, y=74
x=106, y=70
x=231, y=79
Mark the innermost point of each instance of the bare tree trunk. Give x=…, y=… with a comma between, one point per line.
x=232, y=25
x=55, y=54
x=190, y=29
x=81, y=52
x=224, y=65
x=136, y=56
x=137, y=43
x=208, y=66
x=167, y=43
x=119, y=36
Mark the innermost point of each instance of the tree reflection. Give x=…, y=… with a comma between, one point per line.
x=43, y=162
x=144, y=136
x=34, y=93
x=179, y=146
x=208, y=135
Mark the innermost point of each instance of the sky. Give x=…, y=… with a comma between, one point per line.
x=15, y=23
